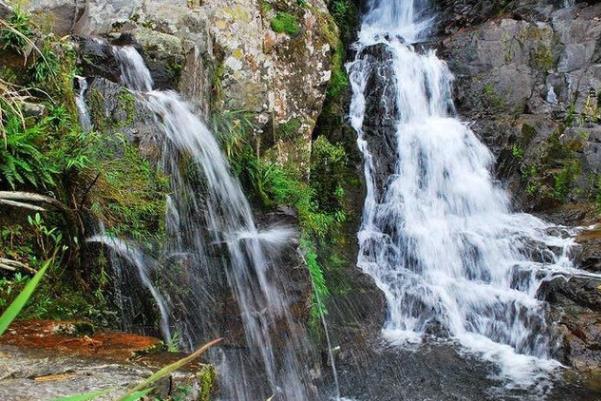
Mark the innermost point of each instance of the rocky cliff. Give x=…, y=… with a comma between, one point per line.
x=271, y=60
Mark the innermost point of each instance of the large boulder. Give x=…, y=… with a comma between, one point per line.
x=270, y=59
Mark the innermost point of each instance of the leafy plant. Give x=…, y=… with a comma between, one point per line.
x=22, y=161
x=517, y=151
x=49, y=240
x=320, y=289
x=16, y=32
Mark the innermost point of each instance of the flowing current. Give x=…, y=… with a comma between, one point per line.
x=211, y=230
x=437, y=233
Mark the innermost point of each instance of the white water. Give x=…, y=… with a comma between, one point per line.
x=82, y=107
x=211, y=229
x=439, y=238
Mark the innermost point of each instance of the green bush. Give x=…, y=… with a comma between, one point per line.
x=285, y=23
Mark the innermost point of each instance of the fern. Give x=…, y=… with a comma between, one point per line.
x=21, y=160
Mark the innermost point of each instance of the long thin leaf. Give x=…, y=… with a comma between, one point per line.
x=167, y=370
x=15, y=307
x=137, y=395
x=84, y=396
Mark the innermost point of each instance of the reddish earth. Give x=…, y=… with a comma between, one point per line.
x=48, y=334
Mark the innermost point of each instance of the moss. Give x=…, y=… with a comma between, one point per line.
x=542, y=58
x=129, y=194
x=265, y=7
x=96, y=106
x=339, y=81
x=206, y=379
x=217, y=87
x=491, y=97
x=289, y=129
x=126, y=101
x=284, y=22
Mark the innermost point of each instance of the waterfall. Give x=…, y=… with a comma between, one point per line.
x=211, y=230
x=437, y=233
x=82, y=108
x=134, y=256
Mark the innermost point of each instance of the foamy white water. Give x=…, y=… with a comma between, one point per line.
x=438, y=236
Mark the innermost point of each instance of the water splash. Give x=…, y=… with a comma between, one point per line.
x=437, y=234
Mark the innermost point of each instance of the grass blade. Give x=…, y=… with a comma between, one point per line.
x=137, y=395
x=167, y=370
x=19, y=303
x=84, y=396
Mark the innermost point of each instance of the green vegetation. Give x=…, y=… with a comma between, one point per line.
x=542, y=58
x=284, y=22
x=289, y=129
x=517, y=151
x=491, y=97
x=129, y=192
x=16, y=32
x=18, y=304
x=43, y=149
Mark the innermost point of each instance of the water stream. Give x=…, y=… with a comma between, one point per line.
x=438, y=234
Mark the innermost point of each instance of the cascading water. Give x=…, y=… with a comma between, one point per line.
x=82, y=108
x=210, y=229
x=437, y=233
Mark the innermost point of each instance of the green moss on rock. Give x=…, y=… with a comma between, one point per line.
x=284, y=22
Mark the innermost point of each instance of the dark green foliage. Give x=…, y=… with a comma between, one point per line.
x=284, y=22
x=16, y=33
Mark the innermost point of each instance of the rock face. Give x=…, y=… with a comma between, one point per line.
x=44, y=360
x=227, y=56
x=528, y=74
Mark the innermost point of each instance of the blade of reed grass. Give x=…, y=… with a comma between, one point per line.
x=84, y=396
x=19, y=303
x=167, y=370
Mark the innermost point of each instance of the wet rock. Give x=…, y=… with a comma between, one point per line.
x=114, y=109
x=381, y=111
x=576, y=303
x=97, y=59
x=589, y=255
x=45, y=359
